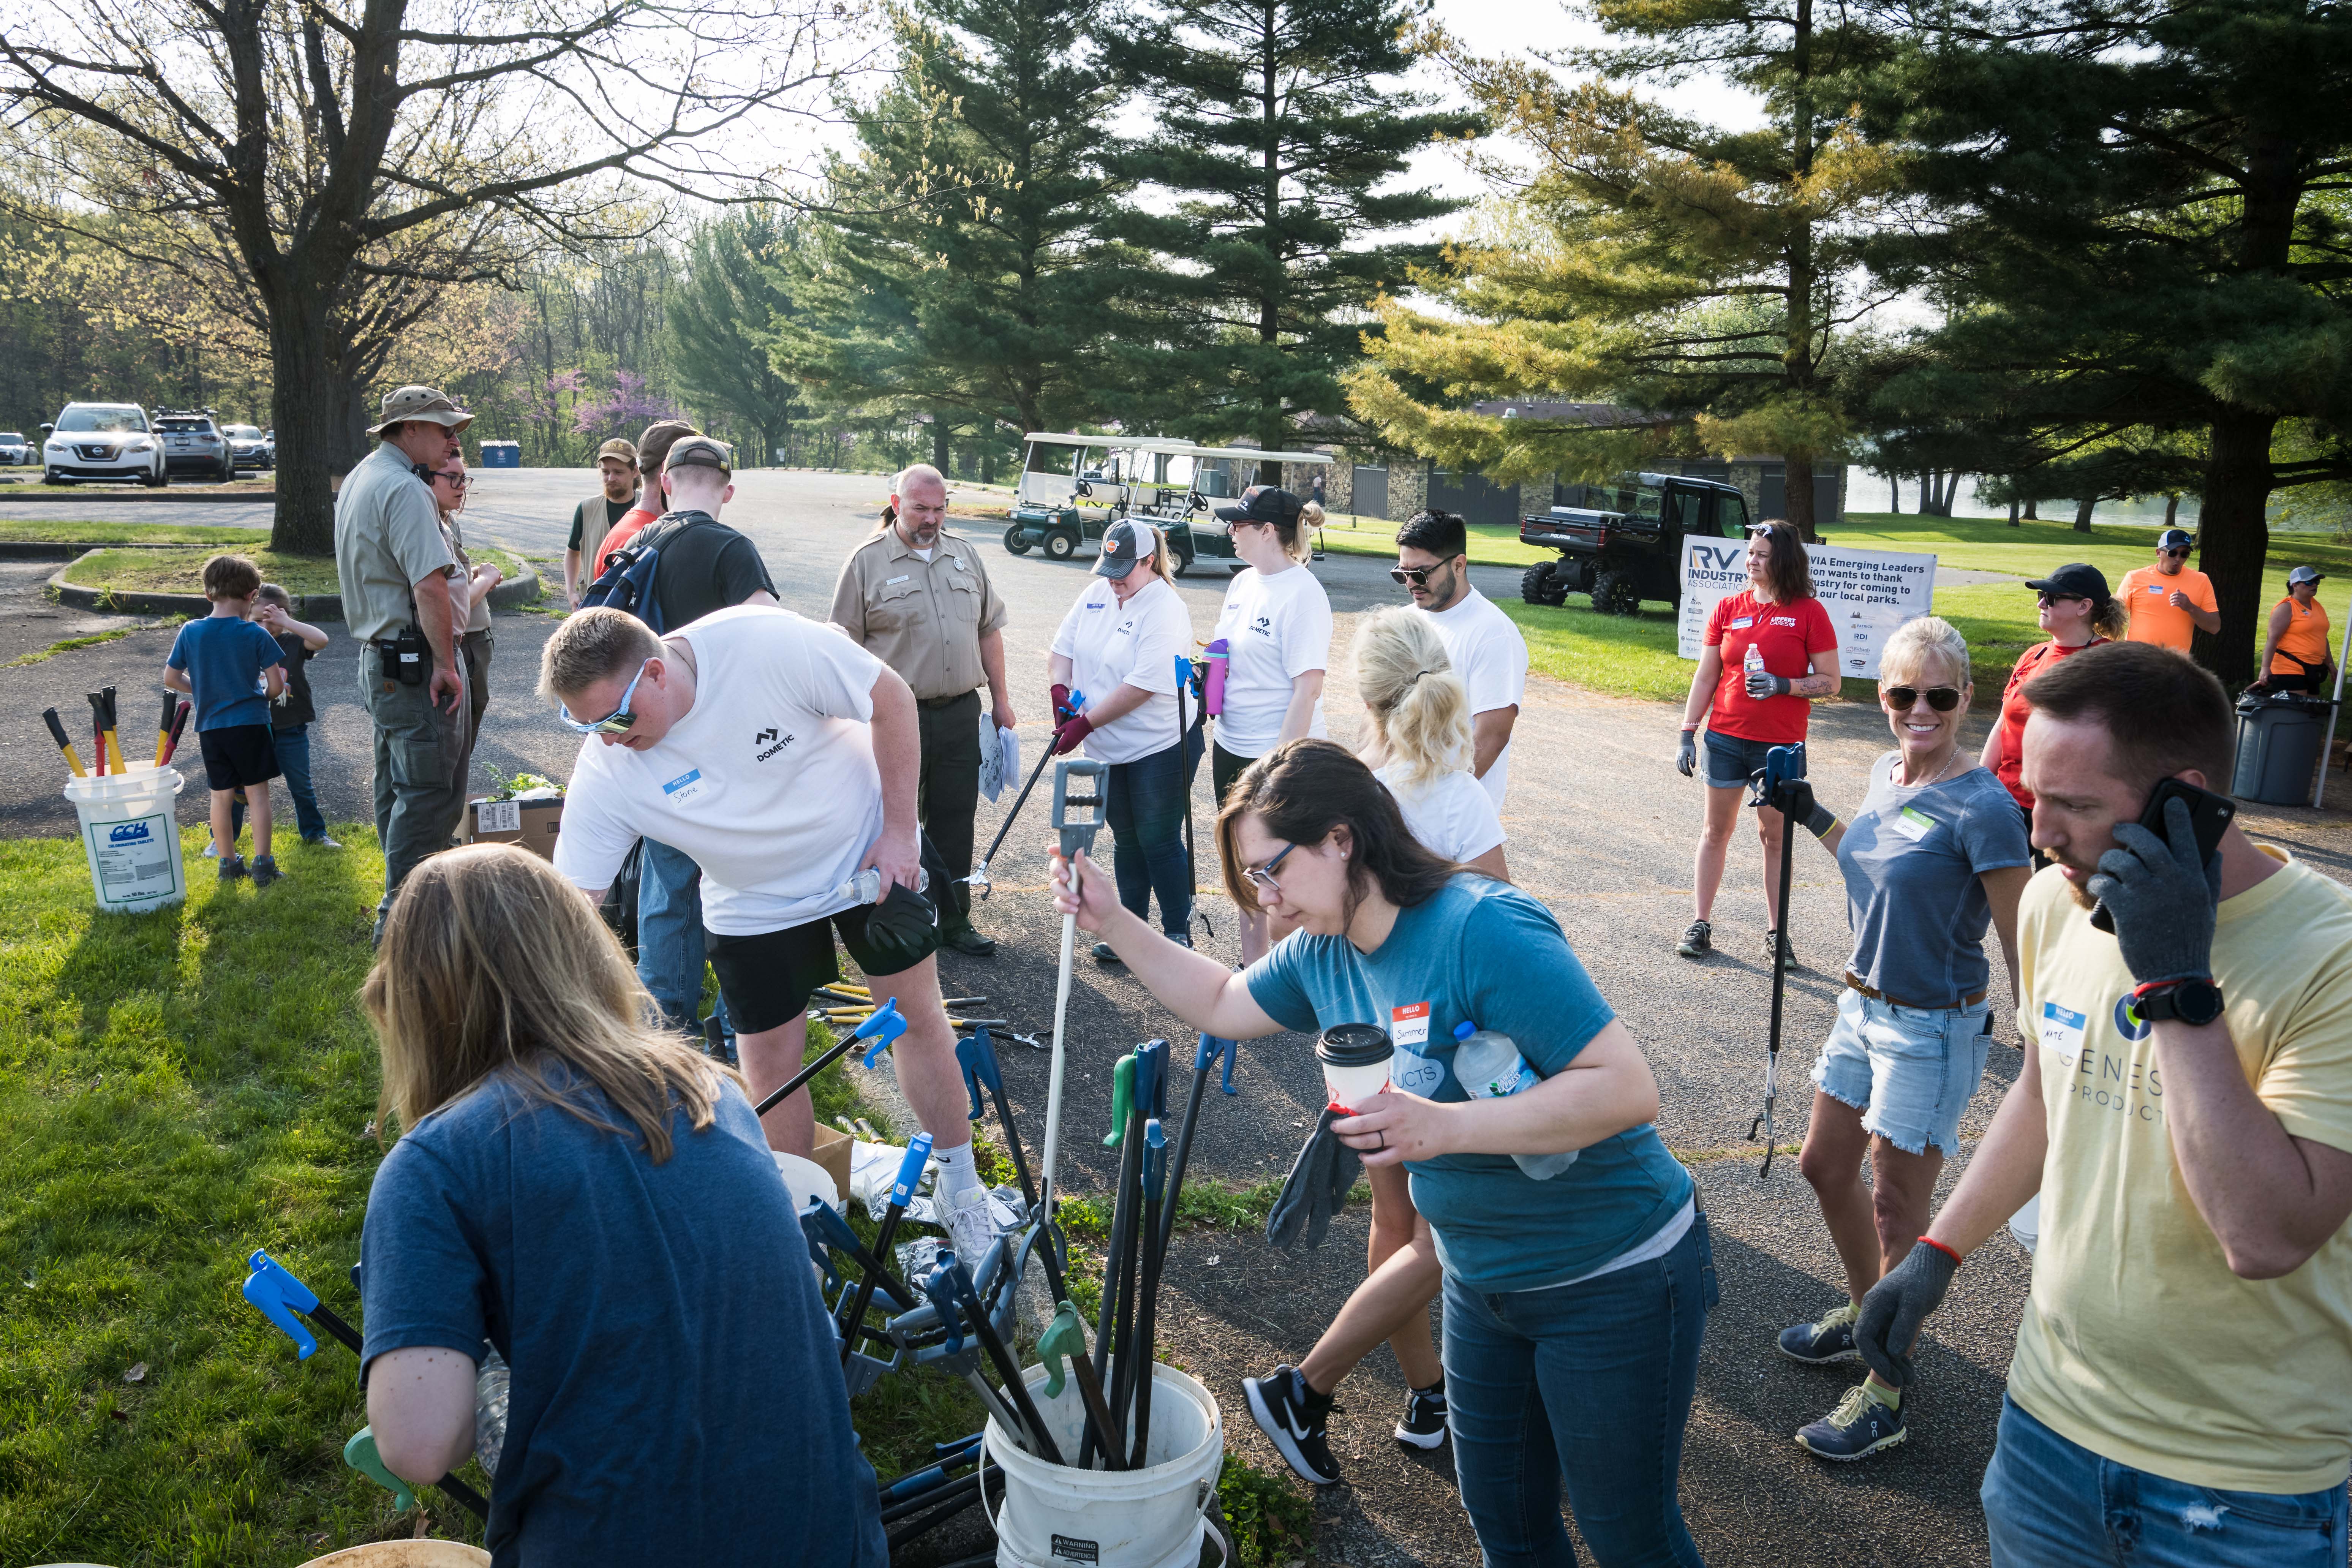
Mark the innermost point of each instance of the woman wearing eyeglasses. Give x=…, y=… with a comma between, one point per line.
x=1935, y=855
x=449, y=484
x=2077, y=612
x=1574, y=1306
x=1769, y=651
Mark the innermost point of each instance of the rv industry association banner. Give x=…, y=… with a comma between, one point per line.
x=1868, y=594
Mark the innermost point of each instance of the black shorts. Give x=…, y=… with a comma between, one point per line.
x=767, y=979
x=1223, y=769
x=237, y=756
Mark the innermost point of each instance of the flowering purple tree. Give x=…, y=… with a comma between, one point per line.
x=627, y=410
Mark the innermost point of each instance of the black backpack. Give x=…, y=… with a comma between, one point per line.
x=627, y=582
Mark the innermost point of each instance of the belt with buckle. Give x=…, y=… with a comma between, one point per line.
x=1854, y=982
x=944, y=701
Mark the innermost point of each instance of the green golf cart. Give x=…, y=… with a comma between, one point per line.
x=1073, y=486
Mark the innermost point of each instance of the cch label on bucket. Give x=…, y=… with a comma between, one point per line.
x=134, y=860
x=1073, y=1550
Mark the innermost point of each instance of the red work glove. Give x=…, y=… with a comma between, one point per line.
x=1067, y=737
x=1062, y=708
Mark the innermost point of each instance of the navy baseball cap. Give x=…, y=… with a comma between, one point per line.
x=2174, y=539
x=1263, y=504
x=2075, y=580
x=1124, y=544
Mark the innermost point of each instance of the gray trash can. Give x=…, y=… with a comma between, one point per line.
x=2278, y=737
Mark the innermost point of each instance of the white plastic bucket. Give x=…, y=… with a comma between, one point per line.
x=1055, y=1515
x=132, y=838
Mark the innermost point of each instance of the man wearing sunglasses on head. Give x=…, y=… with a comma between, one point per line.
x=2171, y=601
x=780, y=759
x=1487, y=651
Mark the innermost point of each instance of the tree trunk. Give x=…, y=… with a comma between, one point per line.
x=1895, y=494
x=308, y=405
x=2012, y=513
x=2171, y=508
x=2033, y=511
x=2083, y=515
x=940, y=451
x=1798, y=492
x=2233, y=540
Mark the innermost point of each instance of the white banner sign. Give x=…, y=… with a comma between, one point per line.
x=1868, y=594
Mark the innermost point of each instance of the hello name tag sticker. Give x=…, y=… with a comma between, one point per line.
x=894, y=581
x=1914, y=824
x=687, y=787
x=1743, y=623
x=2062, y=1030
x=1409, y=1026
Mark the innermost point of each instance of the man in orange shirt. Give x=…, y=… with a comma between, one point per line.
x=2171, y=601
x=2295, y=652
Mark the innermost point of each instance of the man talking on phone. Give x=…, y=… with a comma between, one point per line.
x=2182, y=1390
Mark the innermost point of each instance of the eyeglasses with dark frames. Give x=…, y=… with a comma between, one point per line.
x=619, y=721
x=1903, y=699
x=453, y=479
x=1262, y=876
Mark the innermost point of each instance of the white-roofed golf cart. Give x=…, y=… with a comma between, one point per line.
x=1072, y=487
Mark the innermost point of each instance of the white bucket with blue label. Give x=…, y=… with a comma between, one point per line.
x=132, y=838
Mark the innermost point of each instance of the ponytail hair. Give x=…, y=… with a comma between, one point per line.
x=1418, y=706
x=1297, y=535
x=1301, y=792
x=2109, y=619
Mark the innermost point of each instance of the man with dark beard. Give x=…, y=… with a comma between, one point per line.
x=2183, y=1373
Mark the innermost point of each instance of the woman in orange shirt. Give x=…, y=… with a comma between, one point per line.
x=2295, y=653
x=2077, y=612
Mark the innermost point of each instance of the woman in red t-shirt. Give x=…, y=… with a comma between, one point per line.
x=1769, y=651
x=2077, y=612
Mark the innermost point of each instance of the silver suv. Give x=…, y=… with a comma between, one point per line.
x=193, y=443
x=249, y=447
x=102, y=441
x=15, y=448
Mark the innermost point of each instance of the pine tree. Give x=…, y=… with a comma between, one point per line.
x=1279, y=128
x=721, y=316
x=1653, y=261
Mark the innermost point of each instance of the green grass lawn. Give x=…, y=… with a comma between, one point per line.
x=76, y=533
x=181, y=571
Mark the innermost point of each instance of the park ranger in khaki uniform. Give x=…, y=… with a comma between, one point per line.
x=918, y=598
x=396, y=569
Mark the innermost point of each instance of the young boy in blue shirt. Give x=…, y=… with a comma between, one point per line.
x=290, y=713
x=232, y=670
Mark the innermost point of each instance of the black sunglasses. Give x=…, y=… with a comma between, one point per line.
x=2182, y=550
x=1416, y=575
x=1902, y=698
x=2059, y=598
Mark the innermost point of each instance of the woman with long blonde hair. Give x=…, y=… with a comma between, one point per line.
x=1418, y=742
x=594, y=1200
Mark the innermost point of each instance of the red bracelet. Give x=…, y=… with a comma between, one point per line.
x=1931, y=1241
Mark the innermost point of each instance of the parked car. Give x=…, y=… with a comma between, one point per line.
x=269, y=444
x=193, y=443
x=1623, y=544
x=102, y=441
x=15, y=448
x=249, y=448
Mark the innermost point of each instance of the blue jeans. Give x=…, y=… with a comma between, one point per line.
x=2053, y=1504
x=670, y=956
x=293, y=766
x=1144, y=807
x=1590, y=1381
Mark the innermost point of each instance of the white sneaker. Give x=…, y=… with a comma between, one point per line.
x=969, y=1226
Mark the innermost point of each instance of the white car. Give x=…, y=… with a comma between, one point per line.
x=102, y=441
x=14, y=449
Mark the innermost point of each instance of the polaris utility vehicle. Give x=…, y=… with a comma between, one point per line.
x=1623, y=543
x=1073, y=488
x=102, y=441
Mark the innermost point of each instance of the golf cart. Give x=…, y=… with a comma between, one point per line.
x=1622, y=542
x=1075, y=487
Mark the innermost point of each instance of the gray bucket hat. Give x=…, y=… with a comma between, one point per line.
x=420, y=403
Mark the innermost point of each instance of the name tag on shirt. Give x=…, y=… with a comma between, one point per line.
x=1914, y=824
x=2156, y=587
x=2062, y=1030
x=687, y=787
x=1409, y=1026
x=894, y=581
x=1743, y=623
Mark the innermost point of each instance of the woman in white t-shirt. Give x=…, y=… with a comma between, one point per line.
x=1277, y=630
x=1419, y=745
x=1113, y=669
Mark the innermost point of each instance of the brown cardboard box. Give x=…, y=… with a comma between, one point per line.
x=831, y=1153
x=533, y=824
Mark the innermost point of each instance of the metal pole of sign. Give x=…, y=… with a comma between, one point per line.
x=2319, y=789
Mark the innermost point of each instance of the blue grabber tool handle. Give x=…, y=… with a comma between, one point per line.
x=911, y=1170
x=940, y=1285
x=278, y=1295
x=902, y=1192
x=1151, y=1079
x=1225, y=1080
x=968, y=1060
x=825, y=1227
x=883, y=1024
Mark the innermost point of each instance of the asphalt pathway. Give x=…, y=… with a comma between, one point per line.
x=1600, y=829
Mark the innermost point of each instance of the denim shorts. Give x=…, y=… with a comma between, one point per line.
x=1911, y=1071
x=1732, y=762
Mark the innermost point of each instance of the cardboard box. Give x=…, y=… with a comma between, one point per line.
x=831, y=1153
x=533, y=824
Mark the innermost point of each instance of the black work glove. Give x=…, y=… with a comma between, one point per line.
x=901, y=927
x=1317, y=1188
x=1795, y=800
x=1686, y=754
x=1897, y=1306
x=2162, y=900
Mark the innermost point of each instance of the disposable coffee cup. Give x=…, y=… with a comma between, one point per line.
x=1355, y=1058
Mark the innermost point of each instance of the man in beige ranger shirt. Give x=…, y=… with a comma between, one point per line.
x=918, y=599
x=395, y=571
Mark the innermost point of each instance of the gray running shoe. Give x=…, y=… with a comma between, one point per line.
x=1859, y=1428
x=1699, y=940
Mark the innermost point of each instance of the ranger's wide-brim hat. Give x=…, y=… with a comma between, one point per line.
x=420, y=403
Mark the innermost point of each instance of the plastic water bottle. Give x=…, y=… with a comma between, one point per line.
x=1490, y=1068
x=1755, y=663
x=865, y=888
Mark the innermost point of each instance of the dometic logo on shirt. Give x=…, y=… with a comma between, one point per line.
x=764, y=736
x=1125, y=626
x=1263, y=626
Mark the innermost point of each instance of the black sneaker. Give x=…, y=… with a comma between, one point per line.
x=1857, y=1428
x=1106, y=954
x=1829, y=1338
x=264, y=870
x=1773, y=950
x=966, y=939
x=1698, y=938
x=233, y=868
x=1423, y=1425
x=1296, y=1419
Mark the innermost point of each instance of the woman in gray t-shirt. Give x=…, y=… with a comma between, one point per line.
x=1936, y=854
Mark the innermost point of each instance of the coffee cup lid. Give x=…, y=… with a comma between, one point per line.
x=1354, y=1046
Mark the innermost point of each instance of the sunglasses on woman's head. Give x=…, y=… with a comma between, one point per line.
x=1902, y=698
x=1262, y=876
x=619, y=721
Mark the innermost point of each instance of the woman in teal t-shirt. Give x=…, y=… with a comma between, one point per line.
x=1583, y=1297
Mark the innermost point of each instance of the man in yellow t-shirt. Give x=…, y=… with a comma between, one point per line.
x=2171, y=601
x=2182, y=1386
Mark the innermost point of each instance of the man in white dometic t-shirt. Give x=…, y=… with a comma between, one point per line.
x=781, y=758
x=1488, y=653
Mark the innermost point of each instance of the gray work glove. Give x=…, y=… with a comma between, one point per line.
x=1317, y=1188
x=1897, y=1306
x=1762, y=684
x=2162, y=900
x=1686, y=754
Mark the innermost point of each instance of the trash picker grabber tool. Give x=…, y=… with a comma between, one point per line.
x=979, y=878
x=977, y=1054
x=1122, y=1216
x=824, y=1228
x=97, y=728
x=1077, y=818
x=179, y=728
x=882, y=1026
x=163, y=727
x=1204, y=1056
x=957, y=1357
x=902, y=1192
x=113, y=740
x=1183, y=734
x=65, y=741
x=1064, y=1339
x=1151, y=1097
x=1122, y=1101
x=1155, y=1176
x=1008, y=1367
x=1781, y=764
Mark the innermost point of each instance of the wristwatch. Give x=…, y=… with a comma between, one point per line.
x=2194, y=1002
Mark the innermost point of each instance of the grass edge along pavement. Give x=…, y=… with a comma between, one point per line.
x=179, y=1088
x=180, y=571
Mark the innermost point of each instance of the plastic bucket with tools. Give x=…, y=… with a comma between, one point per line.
x=1155, y=1517
x=132, y=838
